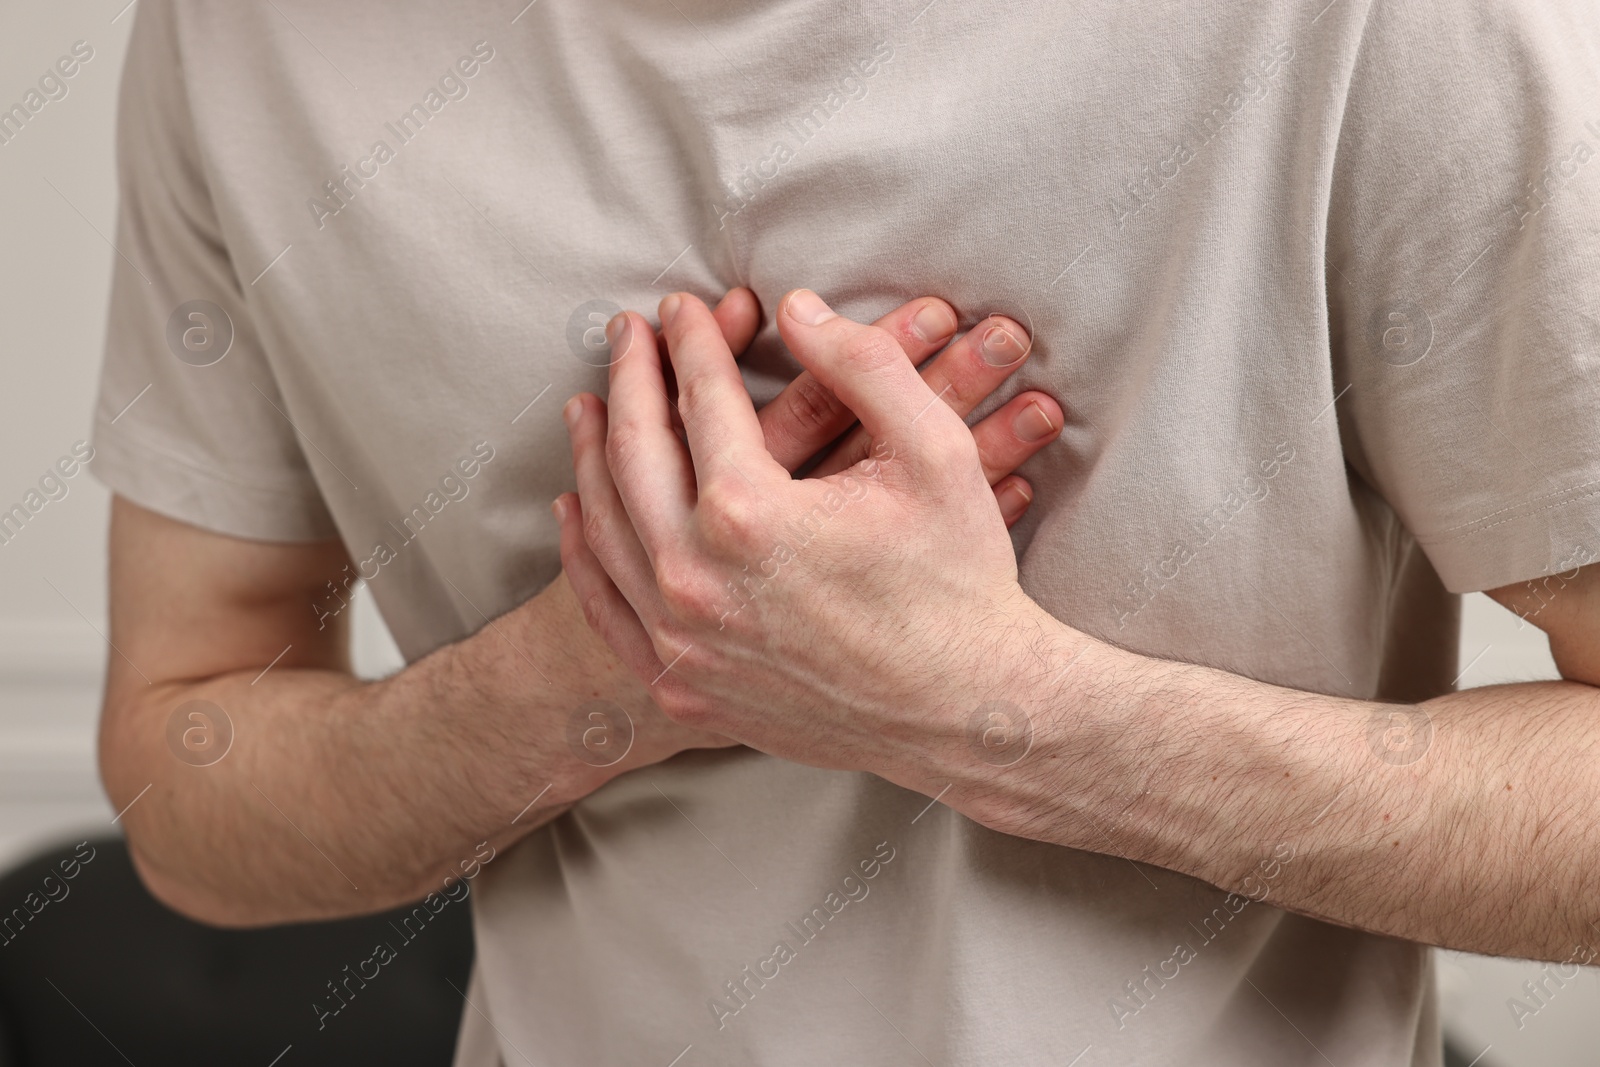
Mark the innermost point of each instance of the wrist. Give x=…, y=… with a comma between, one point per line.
x=518, y=688
x=1120, y=753
x=1044, y=747
x=991, y=707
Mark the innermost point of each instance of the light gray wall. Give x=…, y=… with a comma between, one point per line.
x=57, y=221
x=57, y=209
x=58, y=195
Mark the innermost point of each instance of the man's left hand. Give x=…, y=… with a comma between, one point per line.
x=851, y=621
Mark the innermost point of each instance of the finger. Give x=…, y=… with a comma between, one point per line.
x=803, y=419
x=607, y=528
x=1013, y=495
x=738, y=314
x=604, y=607
x=963, y=376
x=921, y=327
x=862, y=365
x=718, y=416
x=1025, y=424
x=645, y=457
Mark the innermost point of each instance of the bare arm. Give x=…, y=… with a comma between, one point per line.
x=1470, y=821
x=338, y=796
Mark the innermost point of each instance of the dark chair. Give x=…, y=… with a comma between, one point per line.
x=94, y=971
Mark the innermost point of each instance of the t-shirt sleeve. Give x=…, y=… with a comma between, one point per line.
x=1463, y=279
x=190, y=421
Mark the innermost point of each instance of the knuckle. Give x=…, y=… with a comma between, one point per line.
x=680, y=704
x=870, y=347
x=623, y=444
x=951, y=448
x=731, y=519
x=679, y=587
x=960, y=392
x=812, y=406
x=688, y=596
x=697, y=399
x=594, y=611
x=595, y=531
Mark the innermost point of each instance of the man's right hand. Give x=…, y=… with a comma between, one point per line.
x=803, y=426
x=339, y=796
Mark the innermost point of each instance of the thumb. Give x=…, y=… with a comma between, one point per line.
x=864, y=367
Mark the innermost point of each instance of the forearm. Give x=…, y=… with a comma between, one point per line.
x=899, y=641
x=339, y=796
x=1484, y=840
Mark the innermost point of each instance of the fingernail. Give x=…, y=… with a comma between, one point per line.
x=559, y=507
x=934, y=322
x=807, y=308
x=1032, y=424
x=572, y=412
x=1000, y=348
x=669, y=308
x=618, y=330
x=1013, y=500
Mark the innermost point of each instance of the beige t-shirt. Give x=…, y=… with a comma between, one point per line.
x=1315, y=283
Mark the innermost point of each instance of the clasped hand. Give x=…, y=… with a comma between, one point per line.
x=848, y=619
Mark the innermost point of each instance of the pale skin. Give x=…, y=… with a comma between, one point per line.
x=872, y=644
x=340, y=796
